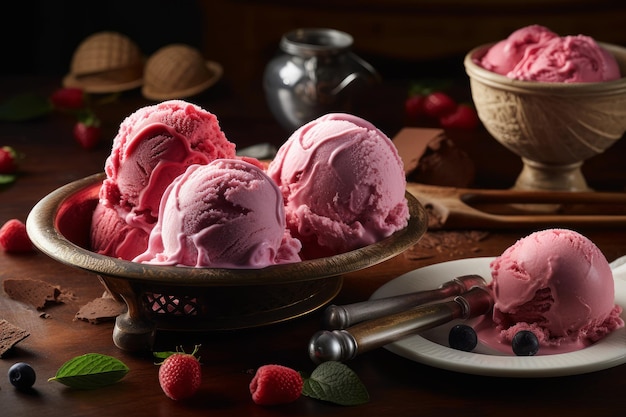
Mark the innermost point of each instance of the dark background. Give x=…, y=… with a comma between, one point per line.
x=399, y=37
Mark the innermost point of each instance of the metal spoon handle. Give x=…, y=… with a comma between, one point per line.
x=342, y=345
x=341, y=317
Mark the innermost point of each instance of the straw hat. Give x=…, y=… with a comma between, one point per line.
x=106, y=62
x=178, y=71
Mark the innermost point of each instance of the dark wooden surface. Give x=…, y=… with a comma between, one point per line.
x=397, y=386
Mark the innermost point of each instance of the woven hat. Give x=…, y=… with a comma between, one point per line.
x=177, y=71
x=106, y=62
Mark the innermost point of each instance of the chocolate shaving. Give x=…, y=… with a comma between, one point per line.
x=447, y=243
x=10, y=335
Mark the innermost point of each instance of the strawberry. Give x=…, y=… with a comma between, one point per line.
x=8, y=160
x=13, y=237
x=464, y=117
x=180, y=375
x=414, y=106
x=68, y=99
x=438, y=103
x=275, y=384
x=87, y=131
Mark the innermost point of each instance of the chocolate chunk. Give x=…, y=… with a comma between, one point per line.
x=10, y=335
x=100, y=310
x=429, y=157
x=30, y=291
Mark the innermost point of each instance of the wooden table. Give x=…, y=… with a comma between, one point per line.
x=397, y=386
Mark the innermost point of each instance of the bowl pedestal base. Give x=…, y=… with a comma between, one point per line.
x=537, y=176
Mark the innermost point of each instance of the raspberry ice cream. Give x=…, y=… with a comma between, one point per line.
x=534, y=53
x=153, y=146
x=570, y=59
x=227, y=213
x=112, y=236
x=343, y=184
x=557, y=284
x=504, y=55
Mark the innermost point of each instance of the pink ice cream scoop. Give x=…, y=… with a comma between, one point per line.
x=569, y=59
x=153, y=146
x=504, y=55
x=111, y=236
x=535, y=53
x=227, y=213
x=343, y=184
x=559, y=285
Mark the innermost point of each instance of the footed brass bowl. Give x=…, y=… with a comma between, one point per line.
x=198, y=299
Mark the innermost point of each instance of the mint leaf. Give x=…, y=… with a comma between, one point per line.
x=90, y=371
x=24, y=107
x=335, y=382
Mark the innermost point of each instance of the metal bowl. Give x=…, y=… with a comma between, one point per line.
x=198, y=299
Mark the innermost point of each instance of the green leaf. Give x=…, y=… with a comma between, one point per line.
x=90, y=371
x=179, y=349
x=7, y=178
x=425, y=86
x=163, y=355
x=335, y=382
x=23, y=107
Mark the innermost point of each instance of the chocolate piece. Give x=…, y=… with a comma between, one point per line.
x=10, y=335
x=412, y=144
x=429, y=157
x=30, y=291
x=100, y=310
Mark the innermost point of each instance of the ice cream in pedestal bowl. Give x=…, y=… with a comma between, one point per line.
x=555, y=101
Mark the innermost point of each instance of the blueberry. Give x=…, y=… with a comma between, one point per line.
x=22, y=375
x=525, y=343
x=462, y=337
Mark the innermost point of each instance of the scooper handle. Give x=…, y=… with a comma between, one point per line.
x=341, y=317
x=345, y=344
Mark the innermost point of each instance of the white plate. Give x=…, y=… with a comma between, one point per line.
x=430, y=347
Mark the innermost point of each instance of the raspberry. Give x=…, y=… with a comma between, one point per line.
x=180, y=375
x=464, y=117
x=87, y=136
x=68, y=98
x=438, y=104
x=414, y=106
x=8, y=160
x=275, y=384
x=13, y=237
x=87, y=130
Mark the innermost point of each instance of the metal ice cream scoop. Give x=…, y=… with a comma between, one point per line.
x=343, y=345
x=341, y=317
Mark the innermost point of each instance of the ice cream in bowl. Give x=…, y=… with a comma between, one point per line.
x=192, y=237
x=554, y=100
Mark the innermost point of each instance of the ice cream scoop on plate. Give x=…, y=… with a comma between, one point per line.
x=557, y=284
